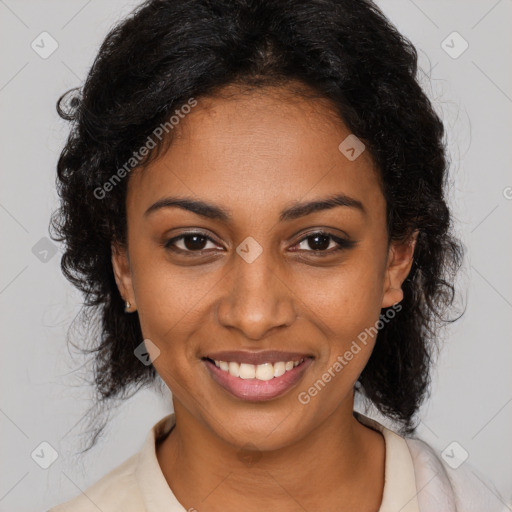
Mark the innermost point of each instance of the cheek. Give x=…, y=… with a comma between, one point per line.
x=346, y=298
x=165, y=299
x=346, y=305
x=172, y=308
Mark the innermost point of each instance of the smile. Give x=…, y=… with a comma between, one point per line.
x=260, y=382
x=265, y=371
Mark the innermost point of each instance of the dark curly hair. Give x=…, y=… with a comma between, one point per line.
x=346, y=51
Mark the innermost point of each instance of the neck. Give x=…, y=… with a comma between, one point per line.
x=340, y=462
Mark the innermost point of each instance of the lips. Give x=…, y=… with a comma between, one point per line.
x=256, y=389
x=256, y=358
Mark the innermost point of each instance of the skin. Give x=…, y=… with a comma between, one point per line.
x=255, y=155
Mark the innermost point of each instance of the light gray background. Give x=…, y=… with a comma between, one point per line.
x=42, y=394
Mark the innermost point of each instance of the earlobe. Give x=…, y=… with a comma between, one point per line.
x=392, y=296
x=123, y=276
x=400, y=259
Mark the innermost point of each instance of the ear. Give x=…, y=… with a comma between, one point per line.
x=400, y=258
x=122, y=273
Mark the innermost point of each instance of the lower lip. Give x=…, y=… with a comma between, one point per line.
x=255, y=390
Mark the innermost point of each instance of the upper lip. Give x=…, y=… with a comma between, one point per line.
x=267, y=356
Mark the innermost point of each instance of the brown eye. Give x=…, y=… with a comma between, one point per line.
x=189, y=242
x=318, y=242
x=321, y=242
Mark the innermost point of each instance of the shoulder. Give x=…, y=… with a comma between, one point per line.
x=117, y=490
x=449, y=486
x=134, y=486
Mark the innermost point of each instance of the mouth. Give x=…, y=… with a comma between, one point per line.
x=258, y=382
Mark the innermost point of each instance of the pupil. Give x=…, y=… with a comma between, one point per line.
x=319, y=245
x=196, y=244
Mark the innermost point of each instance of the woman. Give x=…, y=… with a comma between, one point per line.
x=253, y=199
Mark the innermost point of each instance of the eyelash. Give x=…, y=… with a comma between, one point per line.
x=343, y=243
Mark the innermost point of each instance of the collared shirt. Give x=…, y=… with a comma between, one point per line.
x=415, y=480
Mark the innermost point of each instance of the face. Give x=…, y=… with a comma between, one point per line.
x=255, y=260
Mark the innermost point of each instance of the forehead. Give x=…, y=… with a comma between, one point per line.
x=261, y=147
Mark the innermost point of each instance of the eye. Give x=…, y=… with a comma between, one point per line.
x=190, y=243
x=320, y=243
x=323, y=243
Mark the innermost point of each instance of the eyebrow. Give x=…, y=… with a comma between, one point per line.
x=297, y=210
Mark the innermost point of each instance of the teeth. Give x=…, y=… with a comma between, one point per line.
x=265, y=371
x=247, y=371
x=233, y=369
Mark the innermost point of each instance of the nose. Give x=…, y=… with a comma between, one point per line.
x=257, y=298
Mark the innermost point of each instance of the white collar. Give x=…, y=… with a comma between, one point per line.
x=400, y=492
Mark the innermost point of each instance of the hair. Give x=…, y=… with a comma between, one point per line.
x=346, y=51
